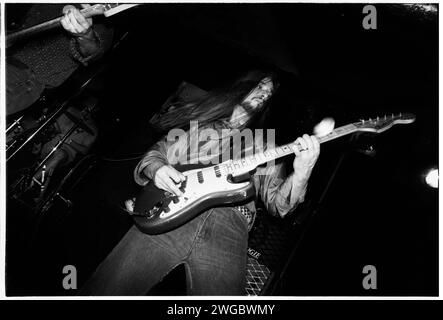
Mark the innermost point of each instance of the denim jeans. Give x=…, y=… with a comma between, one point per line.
x=212, y=247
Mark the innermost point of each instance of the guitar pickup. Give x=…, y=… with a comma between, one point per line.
x=200, y=177
x=217, y=171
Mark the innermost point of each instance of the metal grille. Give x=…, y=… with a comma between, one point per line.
x=257, y=275
x=270, y=243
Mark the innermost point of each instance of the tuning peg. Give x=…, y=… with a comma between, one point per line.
x=385, y=117
x=378, y=118
x=362, y=121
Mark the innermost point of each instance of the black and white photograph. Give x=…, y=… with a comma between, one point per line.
x=220, y=149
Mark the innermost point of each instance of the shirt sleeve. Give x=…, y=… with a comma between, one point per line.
x=103, y=36
x=275, y=189
x=155, y=158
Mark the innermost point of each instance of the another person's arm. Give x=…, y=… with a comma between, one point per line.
x=89, y=42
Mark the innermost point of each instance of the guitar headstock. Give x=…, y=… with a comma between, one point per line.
x=380, y=124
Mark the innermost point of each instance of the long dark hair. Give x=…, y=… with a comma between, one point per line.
x=215, y=106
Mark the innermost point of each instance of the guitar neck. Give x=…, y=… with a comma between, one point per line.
x=251, y=162
x=51, y=24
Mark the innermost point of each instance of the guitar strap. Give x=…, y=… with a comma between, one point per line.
x=248, y=214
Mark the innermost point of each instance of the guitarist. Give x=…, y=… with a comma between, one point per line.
x=48, y=59
x=212, y=246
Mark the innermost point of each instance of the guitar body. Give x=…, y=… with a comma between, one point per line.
x=157, y=211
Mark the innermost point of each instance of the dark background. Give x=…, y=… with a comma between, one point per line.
x=377, y=211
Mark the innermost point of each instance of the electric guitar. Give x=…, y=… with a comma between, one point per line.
x=158, y=211
x=107, y=10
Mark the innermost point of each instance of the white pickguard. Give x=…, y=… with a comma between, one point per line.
x=195, y=190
